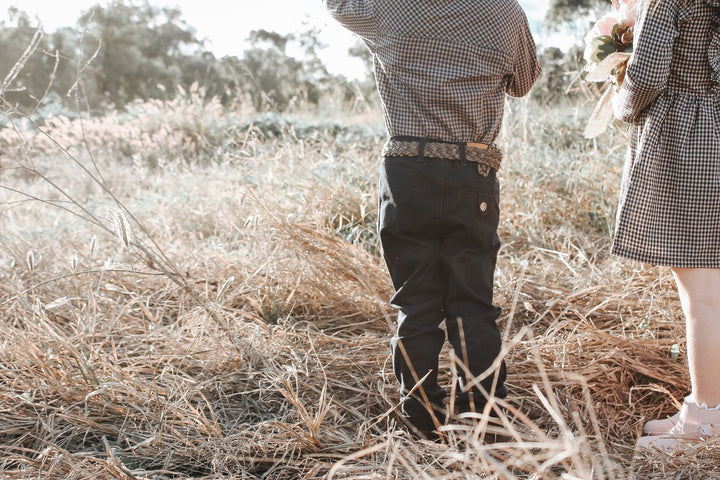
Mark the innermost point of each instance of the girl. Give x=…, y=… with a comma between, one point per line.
x=669, y=210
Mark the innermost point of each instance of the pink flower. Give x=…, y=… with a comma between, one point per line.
x=628, y=11
x=603, y=27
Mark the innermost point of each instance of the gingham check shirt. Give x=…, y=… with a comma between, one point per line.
x=443, y=67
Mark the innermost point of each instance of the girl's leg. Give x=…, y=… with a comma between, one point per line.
x=699, y=417
x=699, y=291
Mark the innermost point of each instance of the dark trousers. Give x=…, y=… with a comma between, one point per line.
x=438, y=224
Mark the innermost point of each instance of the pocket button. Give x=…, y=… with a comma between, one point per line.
x=483, y=206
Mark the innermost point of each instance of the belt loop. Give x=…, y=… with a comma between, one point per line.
x=463, y=151
x=421, y=150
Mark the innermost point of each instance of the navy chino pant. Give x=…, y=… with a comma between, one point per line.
x=437, y=222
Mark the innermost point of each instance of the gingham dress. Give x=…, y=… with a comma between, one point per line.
x=669, y=212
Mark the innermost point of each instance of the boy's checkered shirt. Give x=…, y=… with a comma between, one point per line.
x=443, y=67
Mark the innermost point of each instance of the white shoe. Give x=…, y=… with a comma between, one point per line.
x=662, y=426
x=693, y=423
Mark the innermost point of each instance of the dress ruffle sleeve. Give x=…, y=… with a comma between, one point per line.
x=714, y=48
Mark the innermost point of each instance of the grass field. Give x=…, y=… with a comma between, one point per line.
x=192, y=291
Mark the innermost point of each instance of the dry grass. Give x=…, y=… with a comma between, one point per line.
x=241, y=330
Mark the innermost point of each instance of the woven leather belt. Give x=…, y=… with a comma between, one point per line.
x=486, y=158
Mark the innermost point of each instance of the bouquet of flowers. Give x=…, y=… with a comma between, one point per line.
x=608, y=46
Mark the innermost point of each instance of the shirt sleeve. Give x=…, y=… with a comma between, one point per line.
x=358, y=16
x=526, y=68
x=649, y=66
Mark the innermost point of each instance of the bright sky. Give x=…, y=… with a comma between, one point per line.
x=225, y=24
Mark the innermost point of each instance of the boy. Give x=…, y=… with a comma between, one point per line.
x=442, y=68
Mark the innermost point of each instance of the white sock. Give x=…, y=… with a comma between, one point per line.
x=691, y=398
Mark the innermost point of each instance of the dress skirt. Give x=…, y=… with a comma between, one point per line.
x=669, y=211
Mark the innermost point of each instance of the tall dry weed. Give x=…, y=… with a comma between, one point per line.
x=234, y=322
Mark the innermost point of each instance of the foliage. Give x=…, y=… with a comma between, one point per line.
x=560, y=70
x=127, y=51
x=275, y=78
x=45, y=69
x=143, y=50
x=562, y=12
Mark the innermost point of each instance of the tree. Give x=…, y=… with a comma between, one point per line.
x=274, y=78
x=30, y=85
x=142, y=52
x=128, y=50
x=569, y=12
